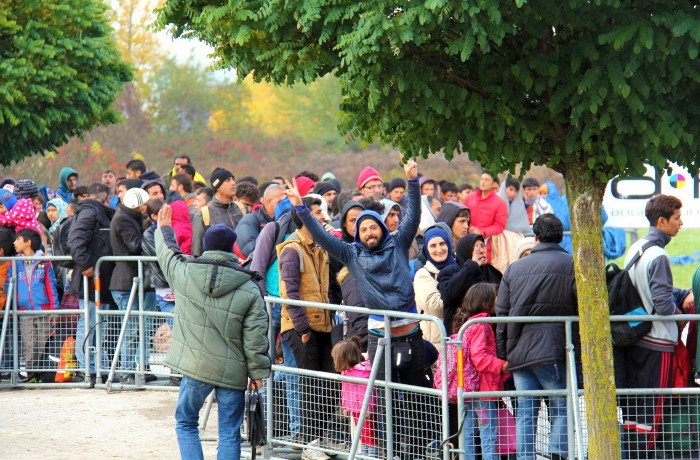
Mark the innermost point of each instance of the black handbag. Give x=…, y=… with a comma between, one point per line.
x=256, y=421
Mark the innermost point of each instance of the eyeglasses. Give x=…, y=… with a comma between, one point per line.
x=373, y=187
x=479, y=245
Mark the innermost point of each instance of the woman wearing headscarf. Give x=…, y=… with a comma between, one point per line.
x=471, y=268
x=437, y=250
x=56, y=211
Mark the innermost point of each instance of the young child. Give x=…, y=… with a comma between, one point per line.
x=36, y=290
x=16, y=213
x=349, y=361
x=483, y=371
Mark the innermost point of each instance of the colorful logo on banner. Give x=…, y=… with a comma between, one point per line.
x=677, y=180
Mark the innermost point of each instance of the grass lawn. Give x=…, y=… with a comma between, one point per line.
x=685, y=243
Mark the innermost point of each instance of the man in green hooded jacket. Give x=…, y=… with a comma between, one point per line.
x=219, y=336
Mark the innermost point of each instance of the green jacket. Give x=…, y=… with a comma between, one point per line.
x=220, y=331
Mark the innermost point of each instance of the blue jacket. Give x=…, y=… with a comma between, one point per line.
x=36, y=284
x=383, y=275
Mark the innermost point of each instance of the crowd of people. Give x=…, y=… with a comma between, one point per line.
x=407, y=245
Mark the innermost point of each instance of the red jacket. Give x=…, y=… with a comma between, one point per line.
x=488, y=214
x=21, y=216
x=482, y=352
x=182, y=226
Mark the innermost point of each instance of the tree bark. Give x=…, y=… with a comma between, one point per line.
x=585, y=200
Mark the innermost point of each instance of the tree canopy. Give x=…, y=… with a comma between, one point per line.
x=60, y=70
x=606, y=82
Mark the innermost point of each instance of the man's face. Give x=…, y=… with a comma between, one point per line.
x=462, y=195
x=317, y=212
x=329, y=196
x=72, y=182
x=143, y=209
x=531, y=193
x=511, y=193
x=180, y=162
x=671, y=226
x=392, y=219
x=370, y=234
x=228, y=188
x=270, y=203
x=396, y=195
x=427, y=189
x=201, y=201
x=350, y=219
x=448, y=196
x=485, y=182
x=460, y=227
x=372, y=188
x=173, y=185
x=121, y=190
x=109, y=179
x=155, y=193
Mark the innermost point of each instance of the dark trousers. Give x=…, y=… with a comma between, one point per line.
x=319, y=397
x=642, y=415
x=408, y=412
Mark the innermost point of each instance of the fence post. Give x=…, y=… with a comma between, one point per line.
x=387, y=389
x=140, y=378
x=572, y=385
x=122, y=333
x=270, y=391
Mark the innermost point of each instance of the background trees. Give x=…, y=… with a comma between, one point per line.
x=60, y=70
x=591, y=89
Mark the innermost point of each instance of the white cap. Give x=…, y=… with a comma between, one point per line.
x=135, y=197
x=324, y=205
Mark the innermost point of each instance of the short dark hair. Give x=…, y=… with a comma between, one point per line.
x=153, y=206
x=448, y=187
x=79, y=191
x=308, y=201
x=109, y=171
x=248, y=190
x=98, y=191
x=530, y=182
x=371, y=204
x=262, y=187
x=188, y=169
x=309, y=174
x=32, y=236
x=208, y=191
x=249, y=179
x=496, y=180
x=661, y=206
x=136, y=165
x=7, y=238
x=513, y=182
x=184, y=180
x=184, y=157
x=548, y=229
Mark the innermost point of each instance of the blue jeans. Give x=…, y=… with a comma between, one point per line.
x=481, y=419
x=80, y=338
x=130, y=346
x=166, y=307
x=276, y=326
x=291, y=384
x=542, y=377
x=230, y=406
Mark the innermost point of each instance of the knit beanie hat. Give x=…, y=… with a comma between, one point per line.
x=397, y=182
x=219, y=237
x=322, y=188
x=525, y=244
x=218, y=176
x=304, y=184
x=327, y=176
x=366, y=175
x=8, y=199
x=26, y=188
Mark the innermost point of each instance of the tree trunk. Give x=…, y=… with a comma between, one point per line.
x=585, y=199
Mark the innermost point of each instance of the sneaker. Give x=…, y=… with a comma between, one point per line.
x=311, y=451
x=128, y=381
x=332, y=444
x=296, y=439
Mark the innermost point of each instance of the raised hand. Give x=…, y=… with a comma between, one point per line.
x=293, y=192
x=411, y=169
x=165, y=216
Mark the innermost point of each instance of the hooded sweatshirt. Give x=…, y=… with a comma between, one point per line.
x=62, y=190
x=21, y=216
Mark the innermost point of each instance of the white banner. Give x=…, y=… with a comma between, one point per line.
x=625, y=199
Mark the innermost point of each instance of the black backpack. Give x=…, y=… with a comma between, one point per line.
x=59, y=243
x=283, y=227
x=624, y=299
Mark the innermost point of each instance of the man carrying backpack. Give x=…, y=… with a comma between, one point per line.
x=647, y=363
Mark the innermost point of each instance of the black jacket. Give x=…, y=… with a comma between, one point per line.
x=126, y=236
x=541, y=284
x=249, y=228
x=455, y=280
x=88, y=240
x=356, y=322
x=154, y=276
x=219, y=213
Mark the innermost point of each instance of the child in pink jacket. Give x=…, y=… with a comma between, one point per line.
x=19, y=214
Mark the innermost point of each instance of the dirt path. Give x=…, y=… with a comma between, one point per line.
x=81, y=423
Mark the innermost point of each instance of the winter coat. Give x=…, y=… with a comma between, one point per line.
x=482, y=353
x=36, y=284
x=125, y=234
x=220, y=332
x=153, y=274
x=219, y=213
x=541, y=284
x=21, y=216
x=454, y=282
x=429, y=302
x=303, y=276
x=62, y=190
x=265, y=262
x=249, y=228
x=382, y=275
x=182, y=226
x=356, y=322
x=489, y=215
x=88, y=240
